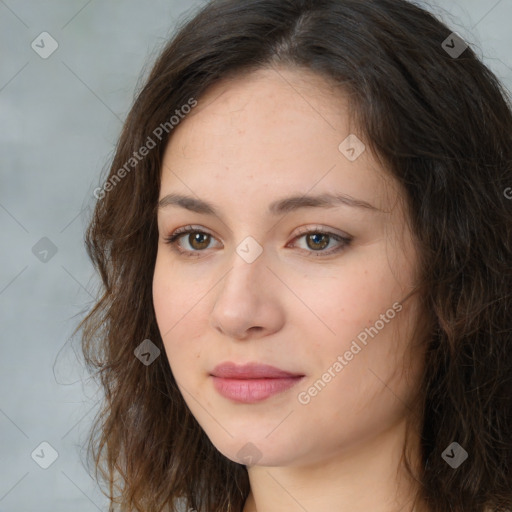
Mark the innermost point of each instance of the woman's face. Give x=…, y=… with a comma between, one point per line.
x=261, y=161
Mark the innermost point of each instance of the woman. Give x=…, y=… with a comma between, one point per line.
x=305, y=242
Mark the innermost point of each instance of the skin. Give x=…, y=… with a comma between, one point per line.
x=250, y=141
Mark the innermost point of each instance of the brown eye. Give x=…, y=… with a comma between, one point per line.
x=315, y=241
x=199, y=240
x=194, y=240
x=319, y=241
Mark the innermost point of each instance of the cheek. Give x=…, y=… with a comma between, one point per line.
x=163, y=298
x=369, y=381
x=177, y=305
x=372, y=346
x=175, y=296
x=350, y=301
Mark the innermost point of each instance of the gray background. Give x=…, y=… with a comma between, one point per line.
x=61, y=117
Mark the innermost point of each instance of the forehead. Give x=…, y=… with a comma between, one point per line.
x=278, y=83
x=268, y=98
x=274, y=129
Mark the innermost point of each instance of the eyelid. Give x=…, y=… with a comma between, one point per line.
x=317, y=228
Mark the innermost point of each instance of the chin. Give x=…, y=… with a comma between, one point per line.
x=257, y=449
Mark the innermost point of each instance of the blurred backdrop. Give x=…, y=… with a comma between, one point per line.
x=69, y=71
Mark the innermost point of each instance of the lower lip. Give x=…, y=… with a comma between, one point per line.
x=248, y=391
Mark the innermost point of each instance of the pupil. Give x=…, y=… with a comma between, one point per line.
x=314, y=237
x=196, y=239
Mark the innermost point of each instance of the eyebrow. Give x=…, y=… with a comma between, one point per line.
x=278, y=207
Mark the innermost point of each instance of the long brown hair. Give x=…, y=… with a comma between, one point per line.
x=441, y=122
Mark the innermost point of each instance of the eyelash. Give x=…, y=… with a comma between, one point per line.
x=173, y=238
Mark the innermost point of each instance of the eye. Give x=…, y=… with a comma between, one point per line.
x=198, y=240
x=317, y=240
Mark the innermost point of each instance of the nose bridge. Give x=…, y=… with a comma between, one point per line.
x=244, y=301
x=248, y=266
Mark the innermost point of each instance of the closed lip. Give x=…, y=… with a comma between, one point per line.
x=231, y=370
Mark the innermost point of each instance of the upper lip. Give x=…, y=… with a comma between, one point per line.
x=251, y=371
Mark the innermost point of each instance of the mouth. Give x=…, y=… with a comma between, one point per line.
x=252, y=382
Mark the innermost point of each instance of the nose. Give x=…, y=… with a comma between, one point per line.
x=247, y=304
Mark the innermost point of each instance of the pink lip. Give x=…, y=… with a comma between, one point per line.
x=251, y=382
